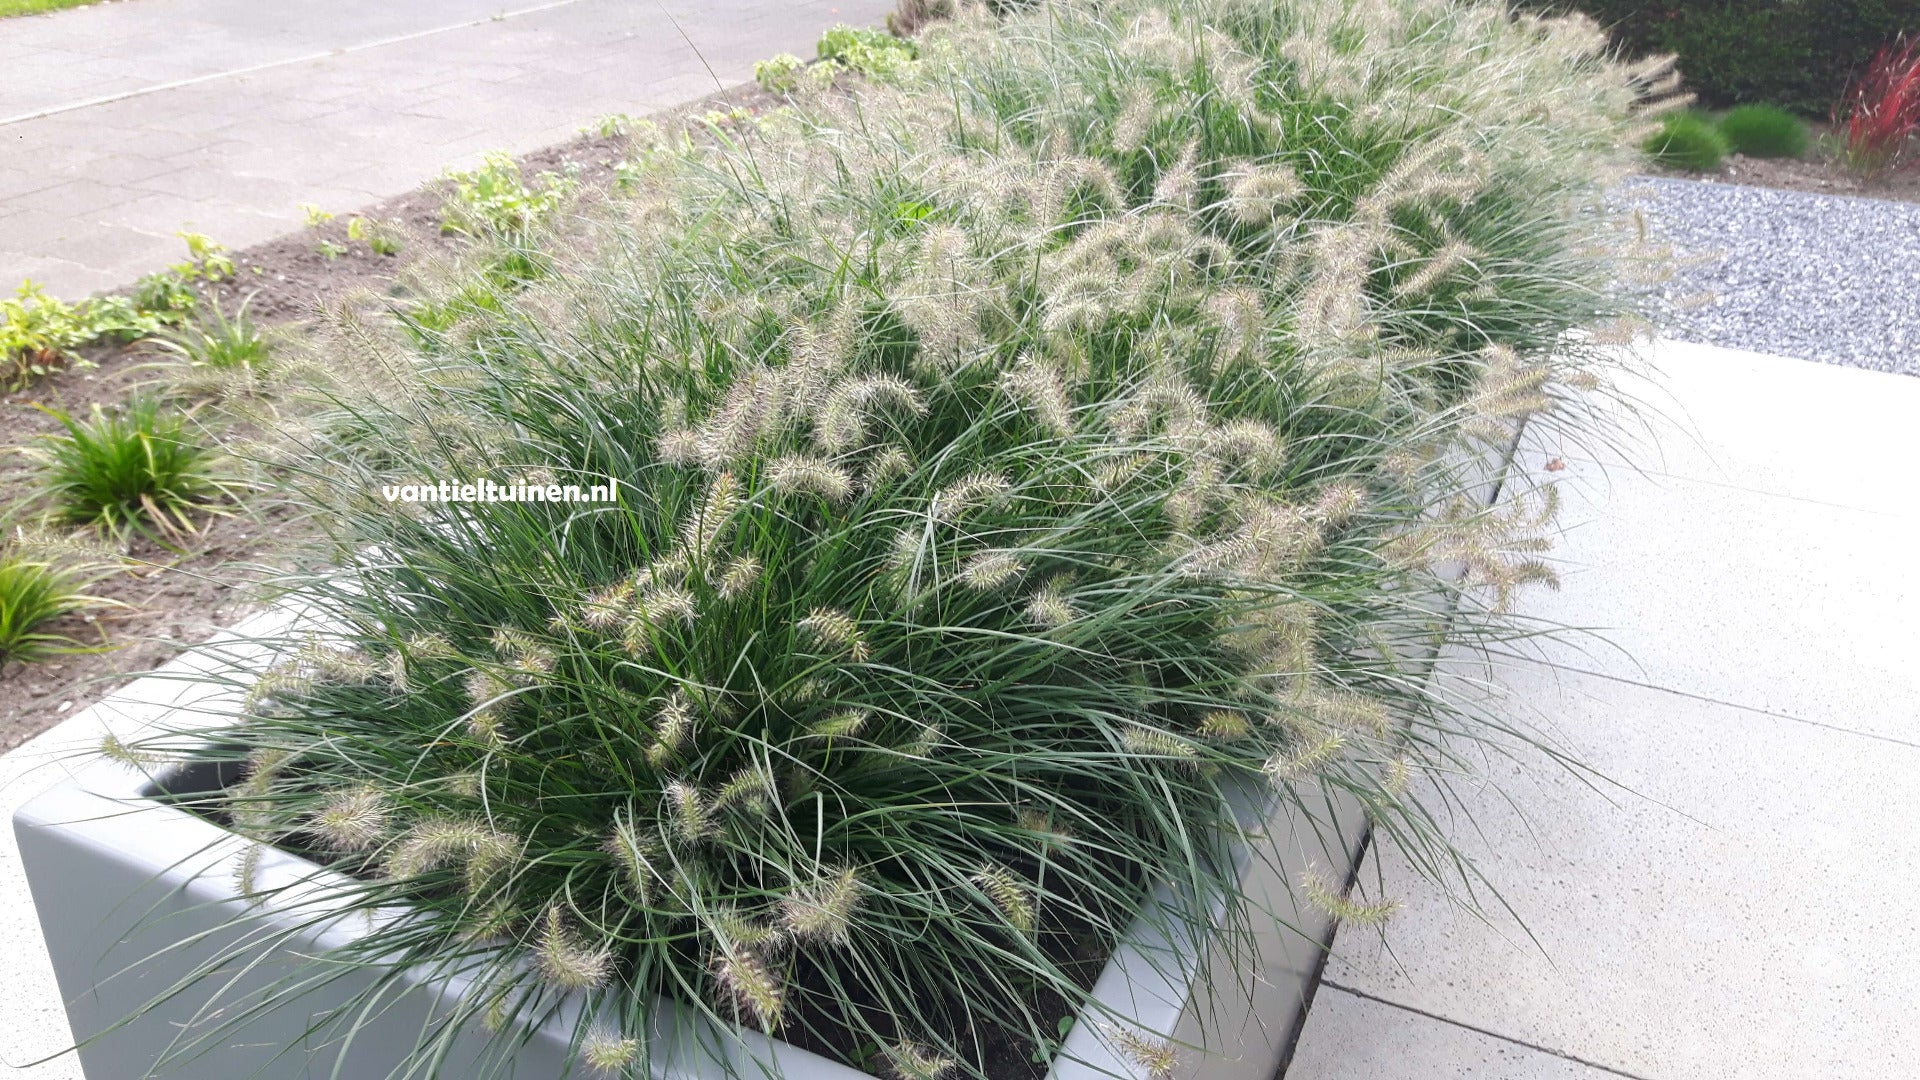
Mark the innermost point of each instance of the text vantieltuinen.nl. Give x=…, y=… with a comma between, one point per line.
x=486, y=491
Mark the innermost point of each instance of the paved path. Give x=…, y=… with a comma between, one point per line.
x=125, y=122
x=1743, y=907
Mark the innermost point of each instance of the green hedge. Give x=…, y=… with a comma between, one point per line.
x=1795, y=53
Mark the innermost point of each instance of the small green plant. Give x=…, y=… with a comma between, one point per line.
x=1687, y=140
x=779, y=74
x=135, y=469
x=873, y=53
x=1764, y=131
x=34, y=592
x=315, y=216
x=164, y=296
x=206, y=260
x=496, y=200
x=217, y=356
x=38, y=333
x=329, y=250
x=381, y=237
x=610, y=127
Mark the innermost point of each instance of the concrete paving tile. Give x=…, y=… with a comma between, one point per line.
x=1764, y=600
x=1767, y=423
x=1348, y=1037
x=1738, y=908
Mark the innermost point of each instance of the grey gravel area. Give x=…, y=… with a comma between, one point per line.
x=1820, y=277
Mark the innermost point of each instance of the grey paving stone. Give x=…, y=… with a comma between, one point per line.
x=1355, y=1038
x=245, y=148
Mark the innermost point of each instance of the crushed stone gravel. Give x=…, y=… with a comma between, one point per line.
x=1832, y=278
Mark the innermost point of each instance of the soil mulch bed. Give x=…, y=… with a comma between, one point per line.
x=176, y=598
x=1820, y=172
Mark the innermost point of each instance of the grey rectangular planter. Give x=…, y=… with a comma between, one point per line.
x=132, y=895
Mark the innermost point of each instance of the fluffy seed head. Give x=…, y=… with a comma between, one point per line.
x=566, y=961
x=689, y=818
x=969, y=493
x=1010, y=896
x=738, y=577
x=836, y=632
x=606, y=1051
x=353, y=820
x=1049, y=607
x=912, y=1061
x=991, y=570
x=822, y=910
x=751, y=984
x=797, y=474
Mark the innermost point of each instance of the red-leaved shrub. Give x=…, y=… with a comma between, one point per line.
x=1883, y=107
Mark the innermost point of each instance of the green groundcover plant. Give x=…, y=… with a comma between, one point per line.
x=1687, y=140
x=1021, y=464
x=1764, y=131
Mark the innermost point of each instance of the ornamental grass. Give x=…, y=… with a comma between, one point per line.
x=1023, y=464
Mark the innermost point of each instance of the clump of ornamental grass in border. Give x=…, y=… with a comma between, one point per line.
x=1881, y=109
x=35, y=590
x=137, y=468
x=1688, y=141
x=1764, y=131
x=216, y=355
x=1022, y=464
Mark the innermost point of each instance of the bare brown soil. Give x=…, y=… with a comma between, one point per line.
x=175, y=598
x=1820, y=172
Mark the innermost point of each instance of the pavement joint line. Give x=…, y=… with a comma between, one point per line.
x=1548, y=1050
x=1895, y=740
x=177, y=84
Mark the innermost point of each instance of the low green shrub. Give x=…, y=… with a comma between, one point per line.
x=873, y=53
x=35, y=591
x=496, y=199
x=38, y=334
x=780, y=74
x=1764, y=131
x=1687, y=141
x=135, y=469
x=1020, y=462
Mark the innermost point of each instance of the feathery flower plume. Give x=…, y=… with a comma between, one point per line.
x=1241, y=315
x=672, y=728
x=488, y=705
x=1157, y=1056
x=1441, y=265
x=352, y=820
x=841, y=424
x=566, y=962
x=1225, y=724
x=1328, y=897
x=1049, y=832
x=887, y=463
x=822, y=910
x=1156, y=743
x=1049, y=607
x=797, y=474
x=991, y=570
x=439, y=842
x=1306, y=759
x=1043, y=394
x=836, y=631
x=1248, y=443
x=750, y=984
x=1261, y=193
x=246, y=870
x=844, y=724
x=1009, y=895
x=1339, y=502
x=749, y=788
x=704, y=530
x=689, y=818
x=1177, y=184
x=609, y=1052
x=633, y=853
x=738, y=577
x=521, y=652
x=969, y=493
x=116, y=749
x=605, y=609
x=911, y=1061
x=680, y=447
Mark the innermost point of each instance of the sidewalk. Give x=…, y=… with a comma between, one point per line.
x=1743, y=909
x=123, y=123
